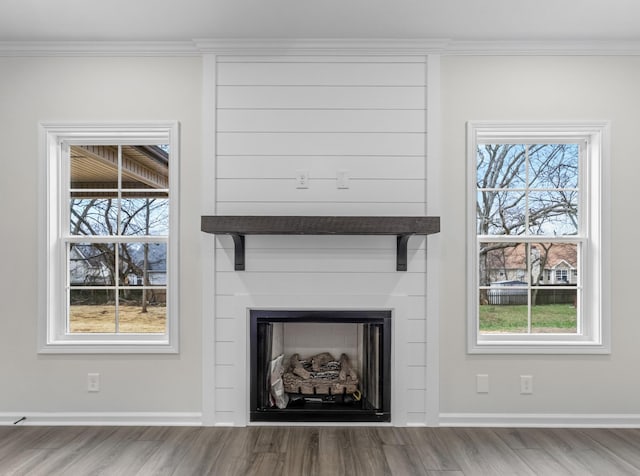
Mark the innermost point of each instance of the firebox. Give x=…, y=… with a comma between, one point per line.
x=320, y=366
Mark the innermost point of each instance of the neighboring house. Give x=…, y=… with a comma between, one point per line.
x=87, y=271
x=550, y=264
x=156, y=265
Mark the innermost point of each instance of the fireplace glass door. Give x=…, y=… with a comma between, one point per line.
x=315, y=366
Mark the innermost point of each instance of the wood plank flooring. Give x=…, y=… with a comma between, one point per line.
x=317, y=451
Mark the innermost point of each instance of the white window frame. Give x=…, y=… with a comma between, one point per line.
x=52, y=334
x=593, y=336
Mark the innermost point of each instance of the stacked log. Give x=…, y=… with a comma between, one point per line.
x=321, y=374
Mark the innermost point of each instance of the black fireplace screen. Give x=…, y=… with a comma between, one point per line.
x=326, y=366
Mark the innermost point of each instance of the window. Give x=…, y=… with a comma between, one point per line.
x=110, y=256
x=562, y=275
x=537, y=193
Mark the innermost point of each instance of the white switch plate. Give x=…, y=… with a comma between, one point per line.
x=526, y=384
x=93, y=382
x=482, y=383
x=302, y=178
x=342, y=178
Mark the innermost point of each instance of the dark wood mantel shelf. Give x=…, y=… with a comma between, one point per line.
x=403, y=227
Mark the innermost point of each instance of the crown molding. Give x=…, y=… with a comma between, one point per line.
x=319, y=47
x=543, y=48
x=98, y=48
x=331, y=47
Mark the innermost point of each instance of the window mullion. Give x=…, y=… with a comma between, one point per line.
x=529, y=286
x=117, y=287
x=526, y=191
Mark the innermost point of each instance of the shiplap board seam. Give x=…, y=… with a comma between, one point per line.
x=312, y=109
x=319, y=202
x=323, y=243
x=314, y=260
x=320, y=85
x=324, y=155
x=324, y=179
x=323, y=132
x=248, y=108
x=322, y=59
x=320, y=97
x=315, y=208
x=290, y=177
x=417, y=251
x=320, y=272
x=321, y=121
x=322, y=249
x=315, y=74
x=369, y=167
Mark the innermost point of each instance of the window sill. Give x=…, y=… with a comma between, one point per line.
x=111, y=347
x=541, y=348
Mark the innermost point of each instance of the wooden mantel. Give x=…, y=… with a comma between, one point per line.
x=403, y=227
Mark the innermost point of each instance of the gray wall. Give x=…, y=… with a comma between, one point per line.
x=473, y=88
x=101, y=89
x=539, y=88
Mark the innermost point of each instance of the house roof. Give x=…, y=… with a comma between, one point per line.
x=553, y=255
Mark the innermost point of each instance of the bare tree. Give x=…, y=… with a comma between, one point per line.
x=130, y=217
x=522, y=189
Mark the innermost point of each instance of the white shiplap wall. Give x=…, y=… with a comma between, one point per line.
x=276, y=115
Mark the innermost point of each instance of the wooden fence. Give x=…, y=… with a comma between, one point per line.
x=546, y=295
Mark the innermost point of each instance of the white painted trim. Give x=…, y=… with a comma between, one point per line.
x=543, y=48
x=208, y=241
x=596, y=337
x=51, y=337
x=510, y=420
x=433, y=208
x=98, y=48
x=102, y=418
x=541, y=420
x=323, y=423
x=319, y=46
x=396, y=303
x=417, y=46
x=310, y=46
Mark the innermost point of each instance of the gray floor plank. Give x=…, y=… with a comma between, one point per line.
x=317, y=451
x=479, y=451
x=625, y=446
x=433, y=448
x=403, y=460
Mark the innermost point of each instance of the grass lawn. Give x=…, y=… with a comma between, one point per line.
x=546, y=318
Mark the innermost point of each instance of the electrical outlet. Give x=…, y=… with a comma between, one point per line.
x=93, y=382
x=482, y=383
x=302, y=178
x=526, y=384
x=342, y=178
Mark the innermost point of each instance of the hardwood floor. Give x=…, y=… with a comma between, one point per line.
x=321, y=451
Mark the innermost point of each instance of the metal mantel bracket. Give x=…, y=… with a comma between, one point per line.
x=401, y=252
x=238, y=243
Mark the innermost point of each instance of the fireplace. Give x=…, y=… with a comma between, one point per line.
x=320, y=366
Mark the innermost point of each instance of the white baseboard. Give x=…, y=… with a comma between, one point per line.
x=511, y=420
x=102, y=418
x=540, y=420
